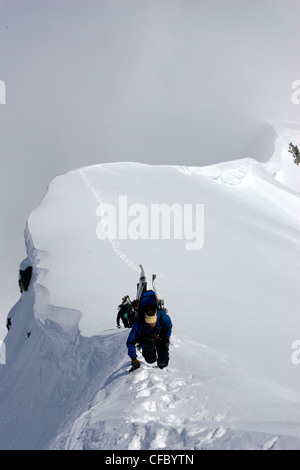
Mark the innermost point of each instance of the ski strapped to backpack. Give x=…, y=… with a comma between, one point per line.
x=142, y=285
x=160, y=302
x=142, y=290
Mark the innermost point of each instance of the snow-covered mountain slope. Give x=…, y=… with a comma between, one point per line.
x=234, y=304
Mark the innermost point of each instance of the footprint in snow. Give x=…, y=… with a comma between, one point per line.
x=140, y=375
x=149, y=405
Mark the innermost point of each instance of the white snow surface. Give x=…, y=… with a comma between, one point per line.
x=234, y=304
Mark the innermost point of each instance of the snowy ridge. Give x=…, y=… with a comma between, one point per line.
x=234, y=305
x=166, y=410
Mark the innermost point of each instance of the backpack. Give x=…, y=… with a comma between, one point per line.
x=149, y=297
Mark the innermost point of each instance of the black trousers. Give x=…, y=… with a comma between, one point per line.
x=158, y=351
x=125, y=322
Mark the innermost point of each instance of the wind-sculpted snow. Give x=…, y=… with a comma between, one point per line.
x=80, y=272
x=233, y=301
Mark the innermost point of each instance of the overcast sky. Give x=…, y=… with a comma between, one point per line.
x=155, y=81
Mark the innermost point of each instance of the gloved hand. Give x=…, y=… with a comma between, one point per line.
x=135, y=363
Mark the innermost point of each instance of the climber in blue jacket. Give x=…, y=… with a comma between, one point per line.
x=151, y=331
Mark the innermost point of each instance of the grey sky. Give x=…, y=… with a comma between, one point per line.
x=155, y=81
